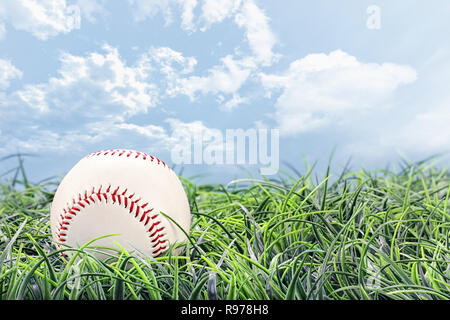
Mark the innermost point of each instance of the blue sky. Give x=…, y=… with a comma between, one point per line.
x=81, y=76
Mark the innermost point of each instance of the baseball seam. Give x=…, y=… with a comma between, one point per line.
x=121, y=197
x=128, y=154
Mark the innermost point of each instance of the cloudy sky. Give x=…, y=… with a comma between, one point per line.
x=370, y=78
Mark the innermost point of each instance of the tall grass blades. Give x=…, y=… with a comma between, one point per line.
x=355, y=235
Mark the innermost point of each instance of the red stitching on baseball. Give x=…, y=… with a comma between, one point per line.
x=137, y=211
x=157, y=250
x=127, y=153
x=157, y=237
x=75, y=209
x=156, y=231
x=153, y=225
x=158, y=243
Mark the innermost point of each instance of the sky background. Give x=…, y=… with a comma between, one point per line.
x=86, y=75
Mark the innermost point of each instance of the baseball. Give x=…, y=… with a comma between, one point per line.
x=120, y=192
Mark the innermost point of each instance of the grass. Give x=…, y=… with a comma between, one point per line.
x=382, y=234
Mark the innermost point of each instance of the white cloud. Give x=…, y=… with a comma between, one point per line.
x=149, y=131
x=189, y=128
x=232, y=103
x=145, y=9
x=47, y=140
x=185, y=134
x=86, y=102
x=43, y=19
x=34, y=96
x=246, y=14
x=258, y=32
x=90, y=8
x=424, y=133
x=249, y=16
x=215, y=11
x=177, y=135
x=91, y=100
x=8, y=72
x=171, y=63
x=94, y=81
x=229, y=75
x=187, y=16
x=225, y=78
x=102, y=92
x=320, y=88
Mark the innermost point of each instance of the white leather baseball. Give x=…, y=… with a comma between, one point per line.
x=120, y=192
